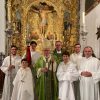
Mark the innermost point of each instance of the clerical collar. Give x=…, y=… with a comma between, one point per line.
x=59, y=51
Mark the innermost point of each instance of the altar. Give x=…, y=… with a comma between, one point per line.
x=43, y=19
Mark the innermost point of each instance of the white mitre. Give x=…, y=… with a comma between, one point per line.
x=46, y=44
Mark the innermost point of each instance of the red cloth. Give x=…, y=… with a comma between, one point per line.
x=28, y=55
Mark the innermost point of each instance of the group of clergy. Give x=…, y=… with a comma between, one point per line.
x=51, y=76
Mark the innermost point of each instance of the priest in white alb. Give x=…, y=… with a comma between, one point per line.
x=10, y=67
x=66, y=74
x=89, y=75
x=77, y=55
x=34, y=54
x=75, y=58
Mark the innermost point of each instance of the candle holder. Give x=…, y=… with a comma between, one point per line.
x=9, y=30
x=83, y=33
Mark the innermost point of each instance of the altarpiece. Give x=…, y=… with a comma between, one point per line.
x=43, y=19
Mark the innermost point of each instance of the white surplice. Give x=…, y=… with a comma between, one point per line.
x=23, y=85
x=34, y=57
x=75, y=58
x=9, y=75
x=89, y=87
x=66, y=74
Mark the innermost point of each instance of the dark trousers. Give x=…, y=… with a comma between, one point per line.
x=77, y=90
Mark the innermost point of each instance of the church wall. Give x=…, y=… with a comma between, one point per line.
x=2, y=26
x=92, y=22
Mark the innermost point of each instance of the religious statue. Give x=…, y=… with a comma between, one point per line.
x=43, y=9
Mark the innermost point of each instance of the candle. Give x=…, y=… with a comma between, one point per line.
x=83, y=18
x=83, y=21
x=9, y=11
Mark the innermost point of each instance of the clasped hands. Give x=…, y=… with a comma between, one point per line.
x=45, y=69
x=86, y=74
x=11, y=67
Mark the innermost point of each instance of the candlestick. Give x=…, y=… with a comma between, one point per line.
x=9, y=11
x=83, y=18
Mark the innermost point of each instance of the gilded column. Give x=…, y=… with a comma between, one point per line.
x=24, y=29
x=9, y=11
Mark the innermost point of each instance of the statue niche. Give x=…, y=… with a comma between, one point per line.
x=47, y=19
x=40, y=23
x=40, y=13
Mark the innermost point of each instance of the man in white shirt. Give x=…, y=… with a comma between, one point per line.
x=10, y=67
x=89, y=75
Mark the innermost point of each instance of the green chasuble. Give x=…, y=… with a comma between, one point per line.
x=46, y=83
